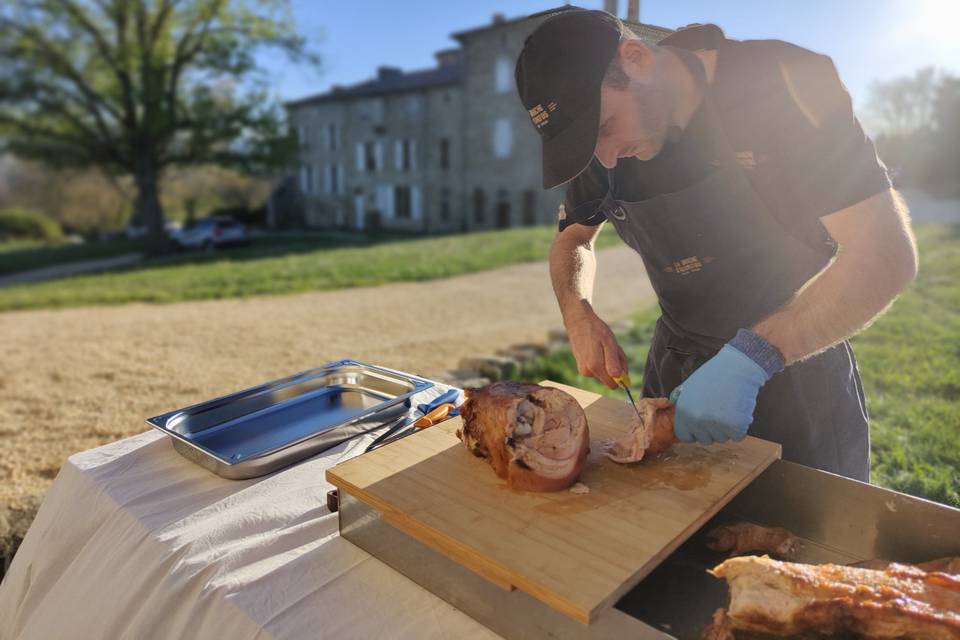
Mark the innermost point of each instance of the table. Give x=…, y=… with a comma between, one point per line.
x=134, y=541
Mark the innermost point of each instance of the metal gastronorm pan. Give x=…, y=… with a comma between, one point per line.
x=261, y=429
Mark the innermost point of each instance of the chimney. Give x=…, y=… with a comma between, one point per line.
x=633, y=10
x=499, y=18
x=388, y=72
x=610, y=6
x=447, y=57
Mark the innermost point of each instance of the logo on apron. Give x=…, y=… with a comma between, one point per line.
x=689, y=265
x=745, y=159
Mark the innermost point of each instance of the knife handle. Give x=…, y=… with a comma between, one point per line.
x=623, y=380
x=435, y=416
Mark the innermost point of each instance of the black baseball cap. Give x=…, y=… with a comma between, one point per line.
x=558, y=74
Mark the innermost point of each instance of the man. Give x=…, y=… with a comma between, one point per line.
x=767, y=225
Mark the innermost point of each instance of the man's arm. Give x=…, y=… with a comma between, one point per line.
x=573, y=266
x=877, y=259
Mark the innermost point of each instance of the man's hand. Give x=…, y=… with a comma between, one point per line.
x=716, y=402
x=572, y=268
x=596, y=350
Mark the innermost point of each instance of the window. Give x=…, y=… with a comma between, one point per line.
x=401, y=201
x=332, y=137
x=445, y=204
x=333, y=178
x=405, y=155
x=371, y=110
x=502, y=74
x=358, y=211
x=502, y=137
x=445, y=153
x=303, y=178
x=386, y=201
x=369, y=156
x=479, y=206
x=414, y=105
x=503, y=209
x=315, y=181
x=529, y=207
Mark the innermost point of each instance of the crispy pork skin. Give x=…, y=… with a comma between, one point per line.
x=950, y=564
x=536, y=438
x=650, y=433
x=795, y=600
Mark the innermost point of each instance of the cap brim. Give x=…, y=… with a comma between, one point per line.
x=568, y=153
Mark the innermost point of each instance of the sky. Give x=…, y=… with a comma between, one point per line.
x=867, y=39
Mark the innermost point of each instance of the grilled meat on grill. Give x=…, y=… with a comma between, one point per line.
x=792, y=599
x=742, y=537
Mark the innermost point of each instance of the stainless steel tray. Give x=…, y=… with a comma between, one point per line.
x=264, y=428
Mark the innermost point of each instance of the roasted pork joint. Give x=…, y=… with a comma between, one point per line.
x=744, y=537
x=791, y=599
x=536, y=438
x=649, y=434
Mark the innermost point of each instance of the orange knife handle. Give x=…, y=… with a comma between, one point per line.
x=435, y=416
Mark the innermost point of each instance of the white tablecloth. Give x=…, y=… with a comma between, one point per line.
x=134, y=541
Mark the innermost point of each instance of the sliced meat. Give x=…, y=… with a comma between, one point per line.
x=650, y=433
x=536, y=438
x=790, y=599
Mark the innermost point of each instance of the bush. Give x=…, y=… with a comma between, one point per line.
x=26, y=224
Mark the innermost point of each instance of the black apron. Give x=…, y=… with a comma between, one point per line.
x=719, y=261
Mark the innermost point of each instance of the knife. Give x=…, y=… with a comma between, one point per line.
x=624, y=381
x=443, y=404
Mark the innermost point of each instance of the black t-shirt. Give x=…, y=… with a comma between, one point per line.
x=788, y=117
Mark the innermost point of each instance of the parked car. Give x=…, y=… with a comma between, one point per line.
x=212, y=233
x=171, y=227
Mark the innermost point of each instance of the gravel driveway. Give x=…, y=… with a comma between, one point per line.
x=77, y=378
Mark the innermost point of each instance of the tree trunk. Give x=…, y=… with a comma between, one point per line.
x=147, y=210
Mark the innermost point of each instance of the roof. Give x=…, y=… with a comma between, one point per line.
x=651, y=31
x=396, y=81
x=390, y=82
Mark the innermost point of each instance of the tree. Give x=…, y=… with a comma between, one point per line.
x=137, y=86
x=905, y=104
x=919, y=117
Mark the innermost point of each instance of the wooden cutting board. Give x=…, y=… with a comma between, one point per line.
x=576, y=553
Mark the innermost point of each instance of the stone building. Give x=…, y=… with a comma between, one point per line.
x=444, y=149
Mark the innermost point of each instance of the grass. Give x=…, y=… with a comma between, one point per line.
x=910, y=364
x=26, y=255
x=290, y=265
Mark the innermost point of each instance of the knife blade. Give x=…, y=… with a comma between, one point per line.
x=624, y=381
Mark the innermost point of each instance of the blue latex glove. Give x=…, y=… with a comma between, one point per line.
x=716, y=402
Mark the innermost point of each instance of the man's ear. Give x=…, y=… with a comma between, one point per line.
x=636, y=58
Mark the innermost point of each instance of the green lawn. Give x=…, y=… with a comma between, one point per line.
x=910, y=364
x=288, y=265
x=25, y=255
